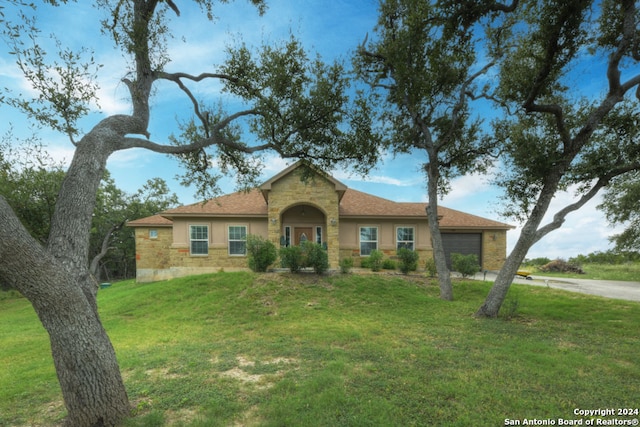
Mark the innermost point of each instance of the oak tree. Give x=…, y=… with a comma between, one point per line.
x=424, y=66
x=555, y=133
x=288, y=103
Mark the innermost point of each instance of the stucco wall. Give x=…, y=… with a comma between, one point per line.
x=218, y=229
x=350, y=237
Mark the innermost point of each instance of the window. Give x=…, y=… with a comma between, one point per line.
x=153, y=234
x=319, y=235
x=199, y=235
x=404, y=238
x=237, y=240
x=287, y=236
x=368, y=240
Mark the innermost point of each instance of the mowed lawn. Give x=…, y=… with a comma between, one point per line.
x=242, y=349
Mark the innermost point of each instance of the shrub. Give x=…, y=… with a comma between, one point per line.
x=561, y=266
x=389, y=264
x=430, y=267
x=467, y=265
x=346, y=264
x=292, y=258
x=536, y=262
x=315, y=256
x=365, y=262
x=408, y=260
x=375, y=259
x=261, y=253
x=309, y=254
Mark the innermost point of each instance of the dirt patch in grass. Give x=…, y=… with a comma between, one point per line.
x=162, y=373
x=244, y=371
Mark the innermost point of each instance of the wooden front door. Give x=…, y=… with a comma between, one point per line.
x=301, y=234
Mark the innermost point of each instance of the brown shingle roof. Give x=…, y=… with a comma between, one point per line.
x=358, y=204
x=240, y=203
x=151, y=221
x=353, y=204
x=452, y=218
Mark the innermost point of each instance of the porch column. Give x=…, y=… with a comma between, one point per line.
x=274, y=229
x=333, y=242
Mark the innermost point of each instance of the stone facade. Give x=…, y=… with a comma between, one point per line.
x=287, y=209
x=290, y=191
x=153, y=257
x=494, y=249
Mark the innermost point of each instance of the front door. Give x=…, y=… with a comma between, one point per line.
x=302, y=234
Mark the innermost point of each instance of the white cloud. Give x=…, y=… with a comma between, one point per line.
x=584, y=231
x=467, y=186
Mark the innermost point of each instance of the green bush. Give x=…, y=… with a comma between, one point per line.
x=346, y=264
x=261, y=253
x=430, y=267
x=365, y=262
x=467, y=265
x=315, y=256
x=309, y=254
x=408, y=260
x=536, y=262
x=292, y=258
x=389, y=264
x=375, y=259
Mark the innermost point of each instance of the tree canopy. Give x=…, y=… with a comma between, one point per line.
x=423, y=66
x=285, y=101
x=554, y=135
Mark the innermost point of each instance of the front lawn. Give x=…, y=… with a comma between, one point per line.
x=279, y=349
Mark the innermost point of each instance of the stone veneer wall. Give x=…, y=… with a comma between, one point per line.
x=423, y=254
x=152, y=254
x=290, y=191
x=494, y=250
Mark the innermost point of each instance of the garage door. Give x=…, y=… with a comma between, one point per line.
x=462, y=243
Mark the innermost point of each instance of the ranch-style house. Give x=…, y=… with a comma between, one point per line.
x=287, y=209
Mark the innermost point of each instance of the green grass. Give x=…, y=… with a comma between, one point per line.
x=625, y=272
x=350, y=350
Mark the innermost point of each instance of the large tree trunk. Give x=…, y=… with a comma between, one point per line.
x=528, y=236
x=500, y=288
x=444, y=276
x=84, y=358
x=57, y=282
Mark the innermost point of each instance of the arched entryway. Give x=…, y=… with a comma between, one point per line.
x=303, y=222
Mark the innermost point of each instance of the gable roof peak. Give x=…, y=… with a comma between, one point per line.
x=309, y=170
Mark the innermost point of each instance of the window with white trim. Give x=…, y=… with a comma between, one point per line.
x=368, y=240
x=199, y=238
x=319, y=235
x=153, y=233
x=237, y=240
x=405, y=238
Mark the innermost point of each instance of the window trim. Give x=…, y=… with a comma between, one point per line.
x=413, y=242
x=360, y=241
x=319, y=234
x=191, y=240
x=229, y=240
x=153, y=233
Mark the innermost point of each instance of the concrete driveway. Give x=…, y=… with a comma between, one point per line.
x=605, y=288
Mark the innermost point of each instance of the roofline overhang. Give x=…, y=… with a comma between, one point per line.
x=128, y=224
x=209, y=215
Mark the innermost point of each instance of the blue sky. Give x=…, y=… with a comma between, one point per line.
x=333, y=28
